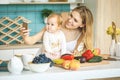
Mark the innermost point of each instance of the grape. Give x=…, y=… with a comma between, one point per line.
x=42, y=59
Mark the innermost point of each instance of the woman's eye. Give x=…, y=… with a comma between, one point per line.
x=75, y=20
x=71, y=15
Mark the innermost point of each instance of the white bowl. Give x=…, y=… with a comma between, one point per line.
x=41, y=67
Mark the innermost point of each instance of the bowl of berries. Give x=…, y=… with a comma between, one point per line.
x=40, y=63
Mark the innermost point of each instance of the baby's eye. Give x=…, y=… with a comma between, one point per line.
x=52, y=24
x=47, y=23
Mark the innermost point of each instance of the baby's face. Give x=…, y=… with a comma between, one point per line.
x=52, y=24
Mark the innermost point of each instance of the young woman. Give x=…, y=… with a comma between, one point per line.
x=77, y=27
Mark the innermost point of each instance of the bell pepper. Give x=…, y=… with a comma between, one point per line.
x=88, y=54
x=67, y=57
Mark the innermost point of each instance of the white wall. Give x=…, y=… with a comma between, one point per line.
x=104, y=11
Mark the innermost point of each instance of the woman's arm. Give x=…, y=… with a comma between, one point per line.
x=31, y=39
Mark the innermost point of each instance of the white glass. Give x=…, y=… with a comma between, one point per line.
x=118, y=49
x=112, y=48
x=26, y=58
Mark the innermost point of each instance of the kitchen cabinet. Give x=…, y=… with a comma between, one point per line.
x=43, y=2
x=33, y=51
x=8, y=53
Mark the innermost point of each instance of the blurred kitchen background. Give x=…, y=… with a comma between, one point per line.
x=104, y=12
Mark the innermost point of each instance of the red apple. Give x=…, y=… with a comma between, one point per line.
x=66, y=64
x=96, y=51
x=67, y=57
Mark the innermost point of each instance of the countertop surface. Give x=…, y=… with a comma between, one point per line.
x=55, y=73
x=20, y=46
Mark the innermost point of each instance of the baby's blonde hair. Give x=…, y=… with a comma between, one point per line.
x=59, y=18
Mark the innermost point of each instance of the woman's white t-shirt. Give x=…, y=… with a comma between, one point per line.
x=70, y=46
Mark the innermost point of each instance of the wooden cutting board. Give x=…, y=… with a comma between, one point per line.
x=104, y=62
x=94, y=64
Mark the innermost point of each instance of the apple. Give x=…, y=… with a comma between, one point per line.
x=67, y=56
x=96, y=51
x=74, y=65
x=66, y=64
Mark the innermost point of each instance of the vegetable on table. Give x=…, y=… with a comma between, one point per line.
x=88, y=54
x=95, y=59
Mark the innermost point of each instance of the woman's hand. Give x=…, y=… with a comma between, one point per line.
x=76, y=52
x=24, y=32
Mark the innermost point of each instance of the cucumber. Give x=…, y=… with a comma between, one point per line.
x=95, y=59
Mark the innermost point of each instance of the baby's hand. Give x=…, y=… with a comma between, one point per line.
x=53, y=54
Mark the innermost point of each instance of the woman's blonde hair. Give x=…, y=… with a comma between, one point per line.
x=87, y=21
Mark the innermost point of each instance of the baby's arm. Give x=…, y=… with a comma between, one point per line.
x=46, y=43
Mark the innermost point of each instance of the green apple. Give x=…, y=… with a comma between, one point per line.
x=96, y=51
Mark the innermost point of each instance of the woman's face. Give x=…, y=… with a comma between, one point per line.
x=74, y=21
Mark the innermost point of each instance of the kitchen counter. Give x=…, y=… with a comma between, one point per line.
x=55, y=73
x=20, y=46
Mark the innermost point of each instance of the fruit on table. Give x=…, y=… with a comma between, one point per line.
x=81, y=59
x=74, y=65
x=42, y=59
x=67, y=57
x=88, y=54
x=66, y=64
x=58, y=61
x=95, y=59
x=96, y=51
x=71, y=64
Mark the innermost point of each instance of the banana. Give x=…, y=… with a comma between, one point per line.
x=58, y=61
